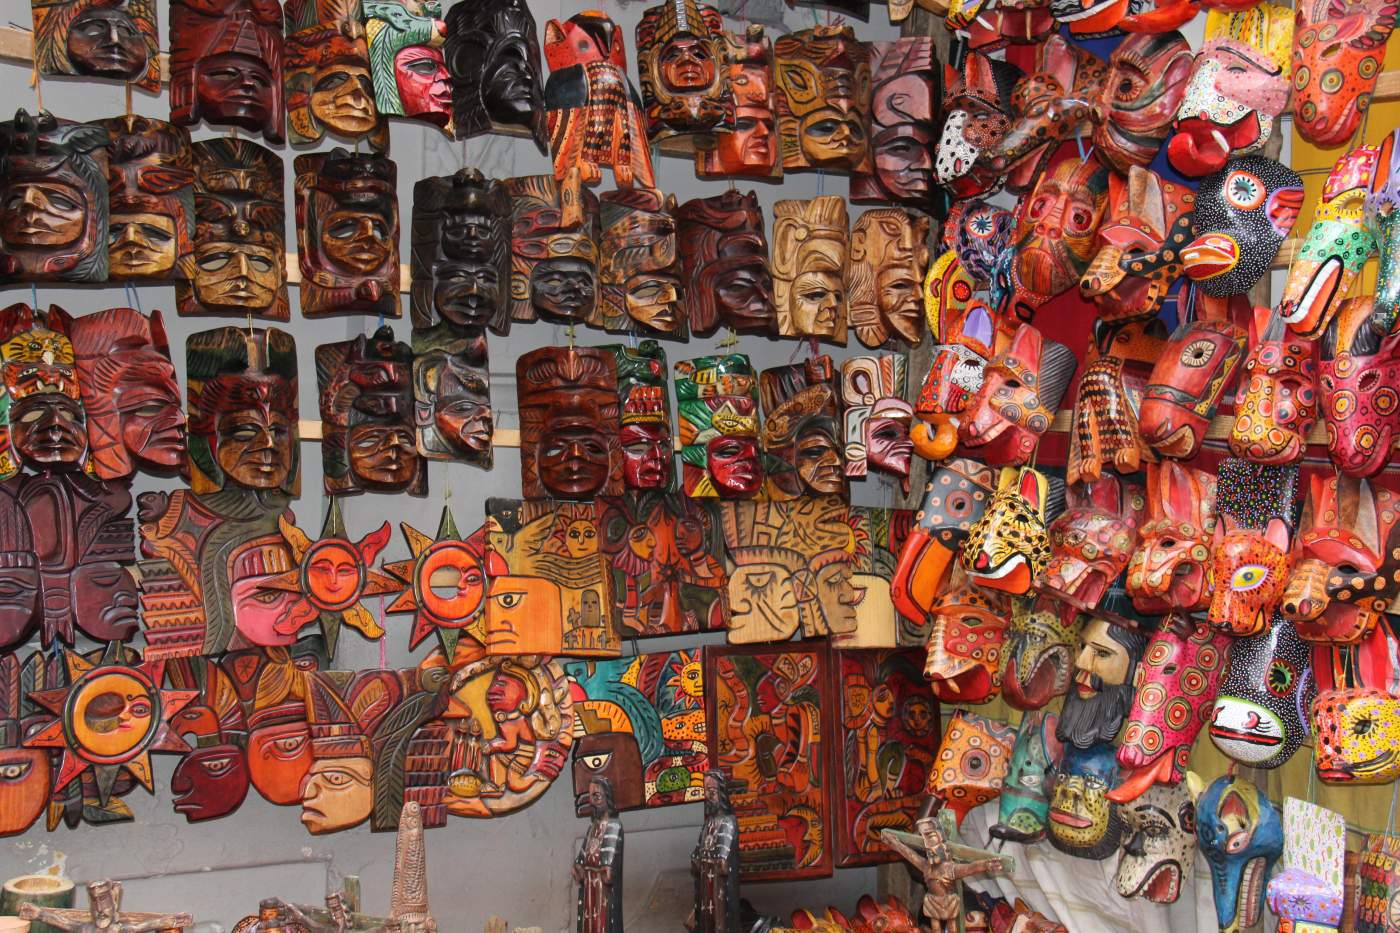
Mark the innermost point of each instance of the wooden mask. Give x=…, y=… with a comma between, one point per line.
x=823, y=82
x=809, y=265
x=725, y=256
x=1055, y=238
x=751, y=148
x=493, y=61
x=1250, y=571
x=55, y=193
x=1084, y=822
x=1024, y=807
x=1188, y=380
x=1102, y=684
x=113, y=39
x=903, y=111
x=328, y=84
x=648, y=443
x=1171, y=569
x=1276, y=405
x=570, y=443
x=44, y=417
x=640, y=269
x=28, y=771
x=406, y=60
x=777, y=384
x=452, y=395
x=964, y=333
x=1241, y=837
x=875, y=416
x=460, y=260
x=1269, y=686
x=972, y=762
x=681, y=60
x=447, y=613
x=211, y=780
x=226, y=65
x=1244, y=212
x=553, y=265
x=963, y=664
x=239, y=265
x=130, y=395
x=20, y=573
x=348, y=234
x=1159, y=845
x=150, y=173
x=1021, y=390
x=242, y=410
x=1147, y=76
x=1337, y=56
x=1039, y=652
x=1008, y=548
x=1105, y=431
x=1361, y=422
x=800, y=440
x=978, y=106
x=955, y=498
x=1351, y=725
x=368, y=441
x=1092, y=541
x=884, y=274
x=717, y=403
x=879, y=535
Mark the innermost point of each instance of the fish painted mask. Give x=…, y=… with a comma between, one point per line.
x=1244, y=212
x=1258, y=718
x=1084, y=823
x=955, y=498
x=1338, y=49
x=1187, y=382
x=1055, y=238
x=1241, y=836
x=1358, y=736
x=964, y=644
x=1039, y=652
x=1092, y=541
x=1250, y=570
x=979, y=109
x=1009, y=547
x=1276, y=405
x=1147, y=77
x=972, y=762
x=1159, y=844
x=1383, y=220
x=1171, y=570
x=1021, y=389
x=1024, y=807
x=1358, y=380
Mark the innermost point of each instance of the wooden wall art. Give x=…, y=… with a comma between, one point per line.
x=406, y=62
x=640, y=272
x=28, y=771
x=725, y=256
x=681, y=58
x=118, y=41
x=809, y=268
x=452, y=394
x=211, y=780
x=1327, y=115
x=879, y=535
x=553, y=265
x=717, y=407
x=570, y=442
x=239, y=264
x=1147, y=77
x=978, y=105
x=104, y=912
x=783, y=798
x=598, y=865
x=460, y=259
x=589, y=90
x=802, y=446
x=493, y=61
x=555, y=596
x=648, y=443
x=448, y=614
x=55, y=190
x=889, y=730
x=751, y=148
x=279, y=740
x=367, y=430
x=823, y=97
x=326, y=66
x=150, y=175
x=876, y=417
x=347, y=220
x=643, y=722
x=903, y=112
x=226, y=65
x=884, y=275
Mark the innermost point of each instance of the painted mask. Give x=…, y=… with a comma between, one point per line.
x=1383, y=220
x=1244, y=212
x=1024, y=807
x=972, y=762
x=802, y=435
x=902, y=124
x=1021, y=390
x=492, y=55
x=955, y=498
x=570, y=438
x=717, y=404
x=347, y=216
x=239, y=264
x=751, y=148
x=1102, y=686
x=1008, y=548
x=1355, y=729
x=1308, y=893
x=328, y=86
x=1092, y=541
x=1338, y=49
x=1239, y=85
x=977, y=233
x=1358, y=372
x=116, y=40
x=366, y=395
x=553, y=265
x=1250, y=570
x=1346, y=571
x=1159, y=844
x=648, y=446
x=1084, y=823
x=1104, y=433
x=1139, y=241
x=1038, y=656
x=226, y=65
x=725, y=255
x=823, y=85
x=1171, y=570
x=1055, y=238
x=150, y=174
x=995, y=26
x=964, y=645
x=810, y=249
x=406, y=60
x=640, y=270
x=884, y=274
x=1147, y=76
x=1241, y=836
x=212, y=780
x=1191, y=375
x=965, y=334
x=452, y=395
x=19, y=572
x=55, y=194
x=460, y=260
x=979, y=110
x=1259, y=717
x=877, y=419
x=680, y=59
x=1276, y=405
x=26, y=774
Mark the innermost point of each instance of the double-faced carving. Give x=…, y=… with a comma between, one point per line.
x=367, y=433
x=226, y=65
x=116, y=39
x=640, y=271
x=452, y=394
x=553, y=264
x=823, y=83
x=750, y=149
x=406, y=60
x=681, y=60
x=717, y=403
x=884, y=274
x=810, y=252
x=150, y=175
x=725, y=256
x=493, y=61
x=903, y=109
x=801, y=442
x=460, y=260
x=328, y=85
x=347, y=216
x=570, y=445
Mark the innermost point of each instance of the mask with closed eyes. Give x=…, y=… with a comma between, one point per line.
x=1159, y=844
x=1241, y=836
x=955, y=498
x=1359, y=384
x=1244, y=212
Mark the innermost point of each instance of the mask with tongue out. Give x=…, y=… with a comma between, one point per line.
x=1159, y=844
x=1084, y=823
x=1039, y=652
x=1240, y=834
x=1244, y=212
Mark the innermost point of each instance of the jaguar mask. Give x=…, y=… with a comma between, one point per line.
x=1092, y=541
x=965, y=641
x=1159, y=844
x=972, y=762
x=1084, y=823
x=979, y=110
x=1358, y=736
x=1171, y=570
x=1008, y=548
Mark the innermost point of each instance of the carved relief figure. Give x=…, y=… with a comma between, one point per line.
x=570, y=438
x=877, y=419
x=406, y=60
x=640, y=267
x=725, y=256
x=150, y=174
x=750, y=149
x=681, y=60
x=903, y=112
x=460, y=260
x=717, y=404
x=884, y=274
x=493, y=61
x=104, y=914
x=809, y=268
x=226, y=65
x=452, y=394
x=347, y=217
x=446, y=612
x=553, y=265
x=942, y=904
x=328, y=84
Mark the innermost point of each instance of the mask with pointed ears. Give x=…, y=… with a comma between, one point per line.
x=1241, y=836
x=1359, y=386
x=1009, y=547
x=1171, y=570
x=1338, y=48
x=1092, y=541
x=1021, y=390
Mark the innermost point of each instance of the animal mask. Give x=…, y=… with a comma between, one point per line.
x=1308, y=893
x=1039, y=652
x=1147, y=77
x=1092, y=541
x=1104, y=433
x=979, y=110
x=1243, y=214
x=1171, y=570
x=1250, y=571
x=1159, y=844
x=1021, y=389
x=978, y=233
x=1084, y=823
x=955, y=499
x=964, y=645
x=1338, y=48
x=1356, y=731
x=1383, y=220
x=1238, y=87
x=1241, y=836
x=1008, y=548
x=1025, y=794
x=1259, y=715
x=1359, y=385
x=972, y=762
x=1055, y=239
x=965, y=333
x=1192, y=373
x=1276, y=405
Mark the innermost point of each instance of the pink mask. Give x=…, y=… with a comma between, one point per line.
x=1359, y=385
x=1171, y=569
x=1276, y=405
x=1092, y=541
x=1021, y=389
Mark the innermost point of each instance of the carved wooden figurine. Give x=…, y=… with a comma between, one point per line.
x=115, y=39
x=406, y=61
x=823, y=83
x=460, y=260
x=725, y=254
x=367, y=431
x=104, y=914
x=809, y=268
x=903, y=111
x=884, y=274
x=750, y=149
x=598, y=866
x=347, y=221
x=493, y=61
x=714, y=863
x=570, y=445
x=328, y=86
x=150, y=174
x=553, y=265
x=940, y=873
x=226, y=65
x=680, y=60
x=648, y=444
x=640, y=270
x=408, y=904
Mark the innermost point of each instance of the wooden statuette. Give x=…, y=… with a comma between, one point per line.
x=939, y=872
x=598, y=866
x=104, y=914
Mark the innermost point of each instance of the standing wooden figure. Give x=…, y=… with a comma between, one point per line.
x=715, y=862
x=104, y=914
x=598, y=867
x=940, y=873
x=408, y=906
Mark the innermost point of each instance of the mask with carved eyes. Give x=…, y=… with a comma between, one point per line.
x=1250, y=570
x=1171, y=570
x=1084, y=822
x=1147, y=77
x=1356, y=729
x=1187, y=382
x=1338, y=49
x=972, y=762
x=1276, y=405
x=955, y=498
x=1159, y=844
x=1240, y=836
x=1359, y=387
x=1025, y=794
x=1244, y=212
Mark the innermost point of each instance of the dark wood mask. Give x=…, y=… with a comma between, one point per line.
x=348, y=233
x=452, y=394
x=46, y=427
x=405, y=60
x=570, y=445
x=493, y=62
x=801, y=439
x=810, y=250
x=243, y=413
x=780, y=383
x=750, y=149
x=640, y=270
x=116, y=39
x=19, y=572
x=30, y=788
x=150, y=175
x=460, y=261
x=368, y=440
x=328, y=84
x=648, y=444
x=553, y=265
x=239, y=264
x=226, y=65
x=823, y=84
x=725, y=256
x=681, y=60
x=904, y=115
x=53, y=185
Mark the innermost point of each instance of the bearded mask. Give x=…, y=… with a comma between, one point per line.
x=964, y=646
x=1008, y=548
x=955, y=499
x=1055, y=236
x=1258, y=717
x=1102, y=685
x=1021, y=390
x=1241, y=837
x=1092, y=541
x=1383, y=220
x=1038, y=656
x=1359, y=384
x=1191, y=375
x=1243, y=214
x=1276, y=405
x=978, y=107
x=972, y=762
x=1025, y=794
x=1171, y=569
x=1308, y=893
x=1355, y=729
x=1338, y=49
x=1159, y=844
x=1084, y=823
x=1147, y=76
x=1239, y=85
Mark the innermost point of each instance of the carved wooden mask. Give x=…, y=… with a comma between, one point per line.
x=1358, y=376
x=328, y=86
x=47, y=426
x=823, y=83
x=493, y=61
x=884, y=274
x=1147, y=76
x=211, y=780
x=725, y=256
x=367, y=440
x=22, y=592
x=681, y=61
x=1037, y=659
x=1055, y=239
x=1244, y=212
x=1104, y=432
x=1092, y=541
x=876, y=417
x=879, y=535
x=1337, y=57
x=800, y=440
x=1084, y=822
x=150, y=173
x=1261, y=710
x=751, y=148
x=242, y=410
x=963, y=664
x=1383, y=220
x=955, y=498
x=717, y=403
x=1008, y=548
x=640, y=270
x=1025, y=795
x=53, y=181
x=113, y=39
x=406, y=60
x=1021, y=390
x=30, y=770
x=979, y=111
x=648, y=443
x=964, y=335
x=239, y=265
x=1276, y=405
x=1159, y=845
x=452, y=394
x=553, y=265
x=348, y=233
x=1241, y=837
x=570, y=443
x=903, y=112
x=1250, y=570
x=972, y=762
x=460, y=261
x=226, y=65
x=1191, y=375
x=1171, y=569
x=809, y=268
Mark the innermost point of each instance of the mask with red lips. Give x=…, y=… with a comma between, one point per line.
x=1244, y=212
x=1338, y=49
x=1009, y=547
x=1171, y=569
x=1147, y=77
x=1359, y=388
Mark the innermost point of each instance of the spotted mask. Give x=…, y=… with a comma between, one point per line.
x=972, y=762
x=955, y=499
x=1025, y=794
x=1358, y=736
x=1383, y=220
x=1171, y=569
x=1021, y=389
x=1338, y=48
x=1147, y=77
x=1092, y=541
x=979, y=110
x=1084, y=823
x=1259, y=716
x=1159, y=844
x=1244, y=212
x=1250, y=570
x=1039, y=652
x=965, y=642
x=1276, y=405
x=1358, y=381
x=1008, y=548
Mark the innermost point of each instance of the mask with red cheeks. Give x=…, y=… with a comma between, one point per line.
x=1193, y=372
x=1338, y=48
x=1055, y=239
x=733, y=464
x=1171, y=569
x=1091, y=543
x=1276, y=405
x=423, y=86
x=1147, y=75
x=1021, y=389
x=1250, y=570
x=1359, y=388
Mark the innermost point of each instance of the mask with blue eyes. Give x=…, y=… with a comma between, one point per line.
x=1259, y=715
x=1025, y=794
x=1250, y=571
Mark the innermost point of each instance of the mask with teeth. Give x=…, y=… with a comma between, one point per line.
x=1241, y=836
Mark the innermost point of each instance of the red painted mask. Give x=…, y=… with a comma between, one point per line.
x=1192, y=373
x=1250, y=569
x=964, y=646
x=1359, y=384
x=1021, y=389
x=1104, y=434
x=972, y=762
x=978, y=105
x=1147, y=77
x=1009, y=547
x=1055, y=239
x=1276, y=405
x=955, y=498
x=1092, y=541
x=1171, y=569
x=1338, y=48
x=965, y=334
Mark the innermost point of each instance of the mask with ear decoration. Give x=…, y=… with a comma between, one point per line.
x=979, y=110
x=1359, y=383
x=1241, y=836
x=1276, y=405
x=1021, y=389
x=1092, y=542
x=1171, y=568
x=1191, y=374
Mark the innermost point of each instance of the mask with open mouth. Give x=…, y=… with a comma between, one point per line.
x=1276, y=405
x=1025, y=794
x=1021, y=389
x=1258, y=719
x=1358, y=731
x=955, y=499
x=1092, y=541
x=1009, y=547
x=1338, y=49
x=972, y=762
x=1159, y=844
x=1171, y=568
x=1244, y=212
x=1084, y=822
x=1055, y=238
x=1241, y=836
x=964, y=645
x=1147, y=76
x=1039, y=652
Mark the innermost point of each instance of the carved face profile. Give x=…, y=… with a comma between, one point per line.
x=884, y=275
x=406, y=60
x=226, y=65
x=809, y=268
x=347, y=233
x=460, y=263
x=113, y=39
x=20, y=584
x=876, y=417
x=681, y=62
x=493, y=61
x=150, y=175
x=570, y=438
x=902, y=124
x=640, y=269
x=452, y=395
x=47, y=423
x=823, y=85
x=328, y=85
x=725, y=256
x=750, y=149
x=801, y=435
x=1147, y=75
